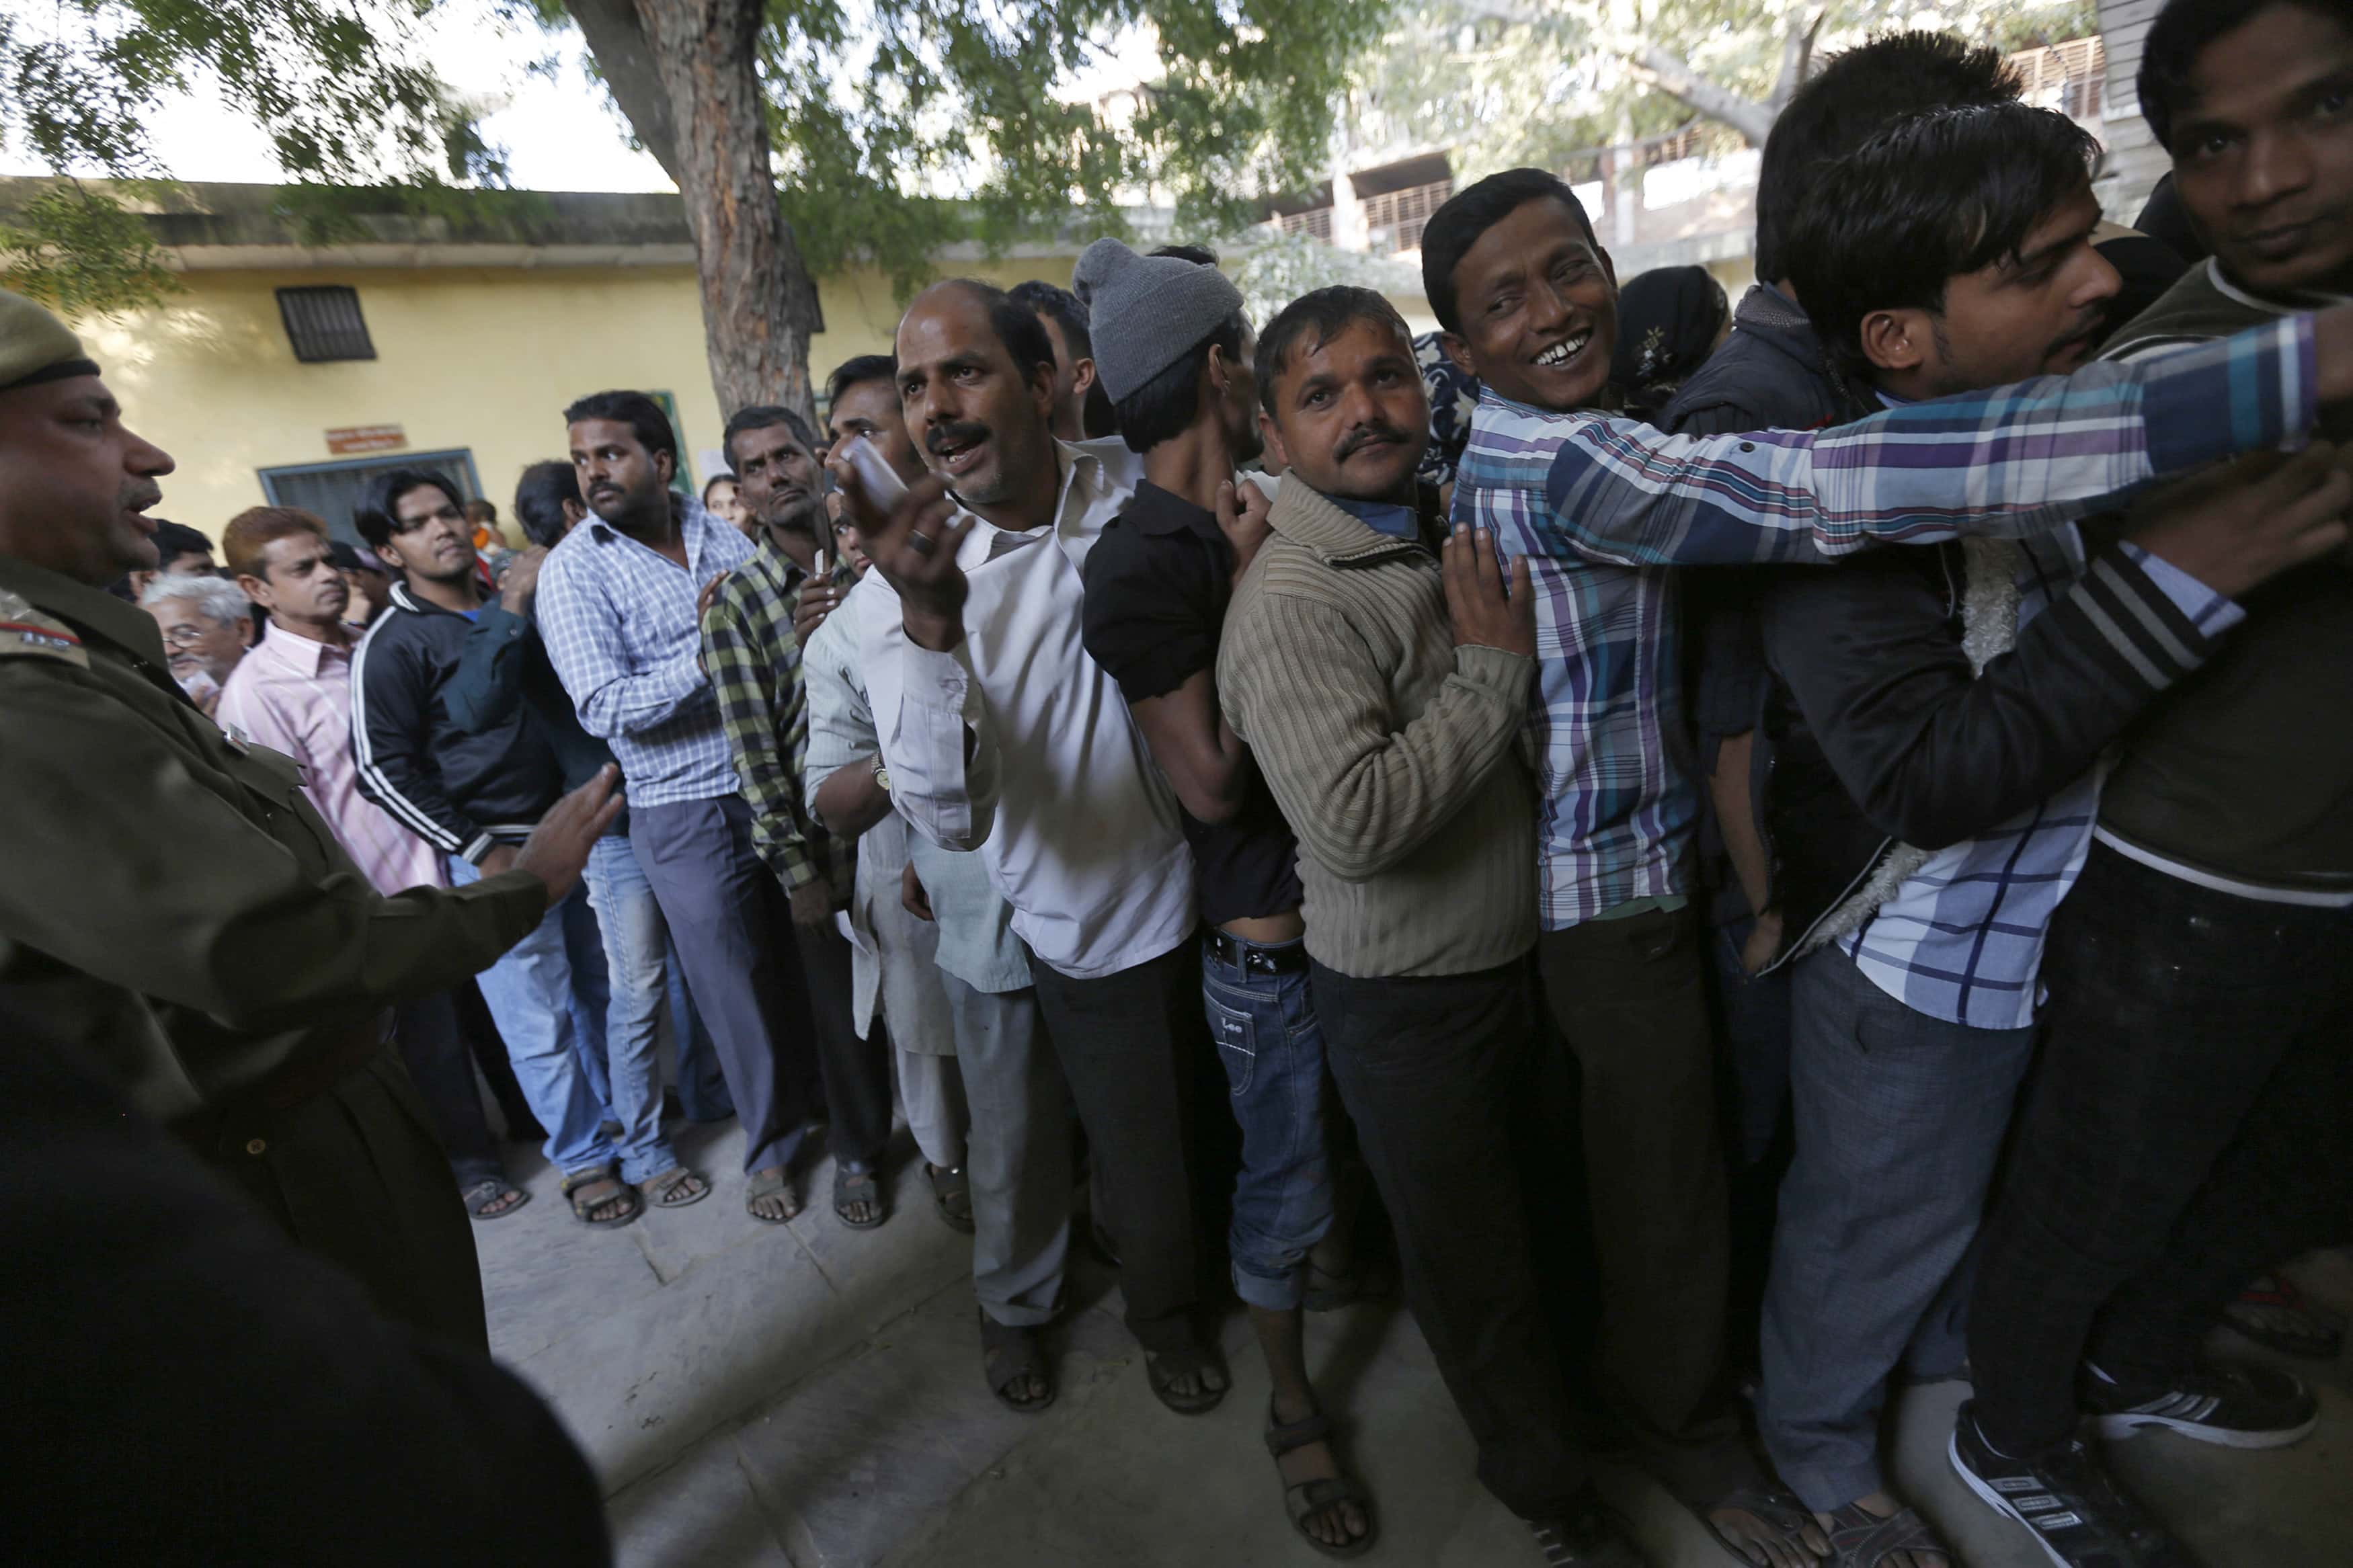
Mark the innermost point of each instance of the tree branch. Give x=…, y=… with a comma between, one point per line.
x=1676, y=78
x=1797, y=54
x=616, y=39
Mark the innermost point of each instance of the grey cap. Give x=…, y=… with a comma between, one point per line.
x=1145, y=312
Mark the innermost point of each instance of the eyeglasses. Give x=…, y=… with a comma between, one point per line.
x=186, y=634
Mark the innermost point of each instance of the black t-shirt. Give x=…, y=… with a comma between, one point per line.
x=1158, y=584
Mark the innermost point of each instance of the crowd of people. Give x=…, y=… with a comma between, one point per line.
x=1778, y=851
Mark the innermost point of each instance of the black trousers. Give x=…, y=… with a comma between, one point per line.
x=433, y=1050
x=2185, y=1130
x=1127, y=1042
x=1433, y=1071
x=857, y=1072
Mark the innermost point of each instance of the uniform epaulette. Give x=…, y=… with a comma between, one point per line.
x=26, y=632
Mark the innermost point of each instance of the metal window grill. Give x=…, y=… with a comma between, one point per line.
x=325, y=323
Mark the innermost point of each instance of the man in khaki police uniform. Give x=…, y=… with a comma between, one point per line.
x=170, y=904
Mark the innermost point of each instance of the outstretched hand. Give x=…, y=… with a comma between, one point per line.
x=558, y=847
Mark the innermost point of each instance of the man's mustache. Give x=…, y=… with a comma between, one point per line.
x=940, y=438
x=1364, y=436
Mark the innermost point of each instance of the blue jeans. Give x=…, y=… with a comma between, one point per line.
x=1272, y=1048
x=529, y=995
x=636, y=962
x=1899, y=1123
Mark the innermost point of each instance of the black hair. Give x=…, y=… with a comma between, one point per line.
x=173, y=539
x=1317, y=318
x=761, y=416
x=539, y=499
x=375, y=517
x=1067, y=310
x=1199, y=255
x=1456, y=227
x=856, y=371
x=1162, y=408
x=1855, y=94
x=641, y=414
x=1923, y=201
x=2182, y=33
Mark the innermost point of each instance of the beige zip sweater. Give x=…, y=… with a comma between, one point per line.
x=1390, y=750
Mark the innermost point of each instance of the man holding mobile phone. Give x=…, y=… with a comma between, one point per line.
x=754, y=655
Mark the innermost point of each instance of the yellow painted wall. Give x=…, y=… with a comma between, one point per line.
x=478, y=358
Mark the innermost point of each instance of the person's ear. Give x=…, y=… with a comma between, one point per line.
x=244, y=625
x=257, y=590
x=666, y=466
x=1083, y=377
x=1608, y=270
x=1896, y=339
x=1277, y=456
x=1458, y=349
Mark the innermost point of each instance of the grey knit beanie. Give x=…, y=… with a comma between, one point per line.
x=1145, y=313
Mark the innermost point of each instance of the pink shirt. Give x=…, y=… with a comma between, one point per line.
x=294, y=695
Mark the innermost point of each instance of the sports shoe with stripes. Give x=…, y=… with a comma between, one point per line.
x=2076, y=1513
x=2237, y=1406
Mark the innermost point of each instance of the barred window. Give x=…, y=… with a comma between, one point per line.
x=325, y=323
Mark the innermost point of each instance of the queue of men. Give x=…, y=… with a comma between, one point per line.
x=1956, y=770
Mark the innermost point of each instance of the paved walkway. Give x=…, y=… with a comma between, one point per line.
x=809, y=1397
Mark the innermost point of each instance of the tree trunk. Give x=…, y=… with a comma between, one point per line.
x=684, y=73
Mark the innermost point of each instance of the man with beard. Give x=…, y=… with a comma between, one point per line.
x=1937, y=714
x=755, y=659
x=999, y=734
x=2187, y=1125
x=1157, y=587
x=207, y=625
x=473, y=796
x=177, y=909
x=618, y=605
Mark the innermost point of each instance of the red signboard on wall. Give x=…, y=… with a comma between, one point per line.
x=351, y=438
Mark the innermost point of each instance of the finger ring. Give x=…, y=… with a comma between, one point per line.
x=923, y=543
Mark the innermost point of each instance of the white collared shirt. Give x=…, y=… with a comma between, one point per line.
x=1057, y=792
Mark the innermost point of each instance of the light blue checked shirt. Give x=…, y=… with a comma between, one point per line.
x=1601, y=505
x=619, y=623
x=1962, y=938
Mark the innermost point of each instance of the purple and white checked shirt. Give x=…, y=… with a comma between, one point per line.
x=1601, y=505
x=619, y=623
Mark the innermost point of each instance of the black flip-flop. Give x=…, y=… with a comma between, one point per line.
x=846, y=1190
x=1164, y=1368
x=1009, y=1351
x=482, y=1194
x=952, y=1195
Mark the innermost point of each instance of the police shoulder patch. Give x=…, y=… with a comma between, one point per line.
x=27, y=633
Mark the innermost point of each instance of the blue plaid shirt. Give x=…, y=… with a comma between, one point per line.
x=619, y=623
x=1962, y=938
x=1600, y=505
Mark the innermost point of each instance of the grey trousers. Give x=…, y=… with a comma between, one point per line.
x=1018, y=1157
x=734, y=936
x=1899, y=1121
x=932, y=1090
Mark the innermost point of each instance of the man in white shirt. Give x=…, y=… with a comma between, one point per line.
x=1000, y=734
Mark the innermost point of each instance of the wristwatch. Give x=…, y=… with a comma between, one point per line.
x=881, y=773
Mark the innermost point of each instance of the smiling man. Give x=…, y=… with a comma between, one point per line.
x=1601, y=505
x=177, y=909
x=753, y=654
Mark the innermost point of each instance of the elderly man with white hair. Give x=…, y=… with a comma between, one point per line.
x=207, y=625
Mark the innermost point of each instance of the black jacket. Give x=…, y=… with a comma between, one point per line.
x=459, y=790
x=1880, y=734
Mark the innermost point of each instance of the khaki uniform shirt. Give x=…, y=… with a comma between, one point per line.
x=169, y=900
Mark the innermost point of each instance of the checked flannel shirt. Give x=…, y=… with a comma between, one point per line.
x=1600, y=505
x=754, y=660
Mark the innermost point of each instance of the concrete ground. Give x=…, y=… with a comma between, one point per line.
x=809, y=1397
